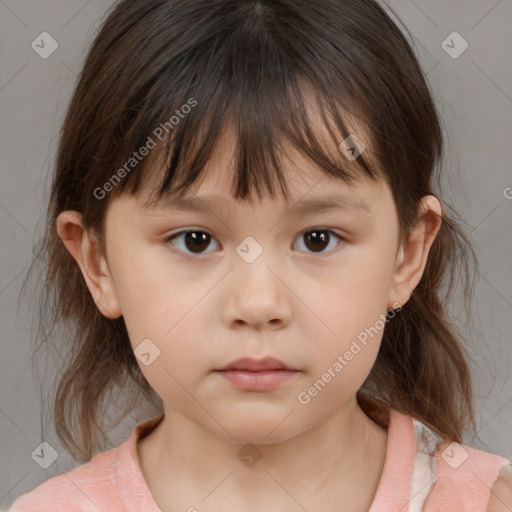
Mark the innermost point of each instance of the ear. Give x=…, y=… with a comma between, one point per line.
x=85, y=249
x=413, y=254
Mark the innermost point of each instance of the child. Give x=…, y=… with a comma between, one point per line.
x=301, y=353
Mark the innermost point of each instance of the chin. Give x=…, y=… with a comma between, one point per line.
x=256, y=429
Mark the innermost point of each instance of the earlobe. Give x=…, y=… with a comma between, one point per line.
x=85, y=249
x=413, y=255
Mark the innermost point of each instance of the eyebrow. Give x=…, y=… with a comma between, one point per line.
x=320, y=204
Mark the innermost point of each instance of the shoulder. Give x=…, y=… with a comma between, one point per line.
x=470, y=480
x=88, y=487
x=501, y=491
x=451, y=476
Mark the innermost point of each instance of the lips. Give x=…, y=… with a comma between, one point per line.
x=259, y=375
x=256, y=365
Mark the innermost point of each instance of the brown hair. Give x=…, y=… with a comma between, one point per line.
x=249, y=63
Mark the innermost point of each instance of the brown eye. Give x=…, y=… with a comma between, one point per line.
x=195, y=241
x=316, y=240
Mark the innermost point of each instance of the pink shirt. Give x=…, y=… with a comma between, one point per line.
x=417, y=476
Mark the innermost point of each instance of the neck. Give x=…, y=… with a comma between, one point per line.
x=348, y=449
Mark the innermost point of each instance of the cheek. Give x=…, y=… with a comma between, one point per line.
x=355, y=290
x=180, y=361
x=160, y=305
x=152, y=294
x=351, y=305
x=341, y=360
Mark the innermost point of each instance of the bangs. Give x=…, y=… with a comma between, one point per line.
x=266, y=131
x=251, y=81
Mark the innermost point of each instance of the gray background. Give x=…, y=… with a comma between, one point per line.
x=474, y=95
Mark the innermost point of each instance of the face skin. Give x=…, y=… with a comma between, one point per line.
x=304, y=307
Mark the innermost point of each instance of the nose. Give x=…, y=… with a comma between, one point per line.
x=258, y=295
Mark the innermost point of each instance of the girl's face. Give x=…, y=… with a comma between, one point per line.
x=307, y=286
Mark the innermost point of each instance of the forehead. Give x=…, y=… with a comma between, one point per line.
x=304, y=180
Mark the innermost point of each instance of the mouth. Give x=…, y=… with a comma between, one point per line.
x=257, y=375
x=256, y=365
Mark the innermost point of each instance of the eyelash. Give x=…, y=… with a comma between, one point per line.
x=170, y=238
